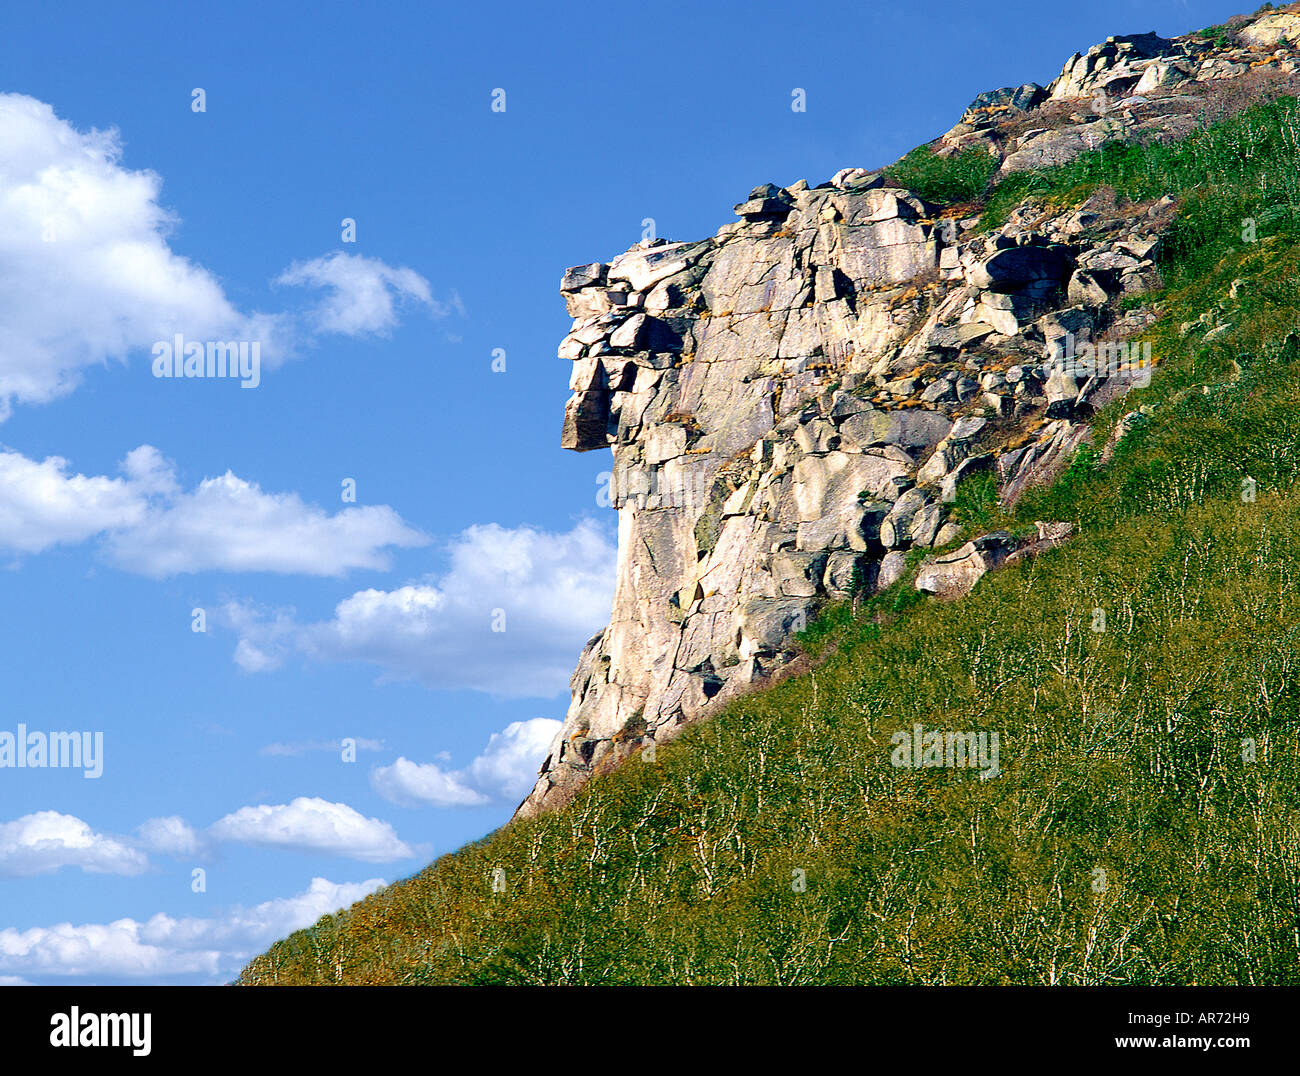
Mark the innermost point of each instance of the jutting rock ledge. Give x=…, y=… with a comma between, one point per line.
x=792, y=402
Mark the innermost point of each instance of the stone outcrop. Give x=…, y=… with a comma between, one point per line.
x=1114, y=67
x=1137, y=87
x=954, y=575
x=794, y=403
x=1282, y=28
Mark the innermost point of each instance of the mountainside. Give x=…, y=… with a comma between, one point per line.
x=1057, y=342
x=793, y=403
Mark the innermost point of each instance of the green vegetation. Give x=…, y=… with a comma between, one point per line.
x=1218, y=36
x=1145, y=827
x=976, y=505
x=1232, y=174
x=963, y=177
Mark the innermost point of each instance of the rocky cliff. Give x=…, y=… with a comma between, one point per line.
x=793, y=402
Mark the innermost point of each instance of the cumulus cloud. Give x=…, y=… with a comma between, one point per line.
x=208, y=949
x=230, y=524
x=88, y=273
x=90, y=277
x=46, y=841
x=363, y=293
x=311, y=824
x=305, y=825
x=548, y=592
x=149, y=526
x=505, y=771
x=415, y=784
x=41, y=505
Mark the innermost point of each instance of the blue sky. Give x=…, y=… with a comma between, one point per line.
x=127, y=501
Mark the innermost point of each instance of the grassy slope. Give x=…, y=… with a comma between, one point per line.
x=1121, y=750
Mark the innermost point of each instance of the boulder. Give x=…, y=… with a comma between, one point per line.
x=856, y=179
x=643, y=268
x=1053, y=148
x=586, y=417
x=764, y=625
x=896, y=530
x=893, y=566
x=758, y=209
x=797, y=574
x=1160, y=75
x=583, y=276
x=912, y=429
x=1018, y=267
x=954, y=575
x=1089, y=287
x=1275, y=29
x=1084, y=74
x=627, y=335
x=1007, y=98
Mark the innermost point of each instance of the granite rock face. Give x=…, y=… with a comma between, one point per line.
x=793, y=403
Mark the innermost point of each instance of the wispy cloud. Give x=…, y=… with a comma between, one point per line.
x=303, y=747
x=363, y=294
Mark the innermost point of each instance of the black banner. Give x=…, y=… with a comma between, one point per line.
x=170, y=1026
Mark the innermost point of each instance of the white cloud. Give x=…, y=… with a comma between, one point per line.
x=13, y=980
x=88, y=273
x=230, y=524
x=46, y=841
x=151, y=527
x=505, y=770
x=363, y=293
x=42, y=505
x=170, y=836
x=213, y=949
x=149, y=471
x=508, y=765
x=310, y=824
x=415, y=784
x=263, y=635
x=554, y=591
x=89, y=276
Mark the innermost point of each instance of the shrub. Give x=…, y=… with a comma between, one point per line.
x=962, y=177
